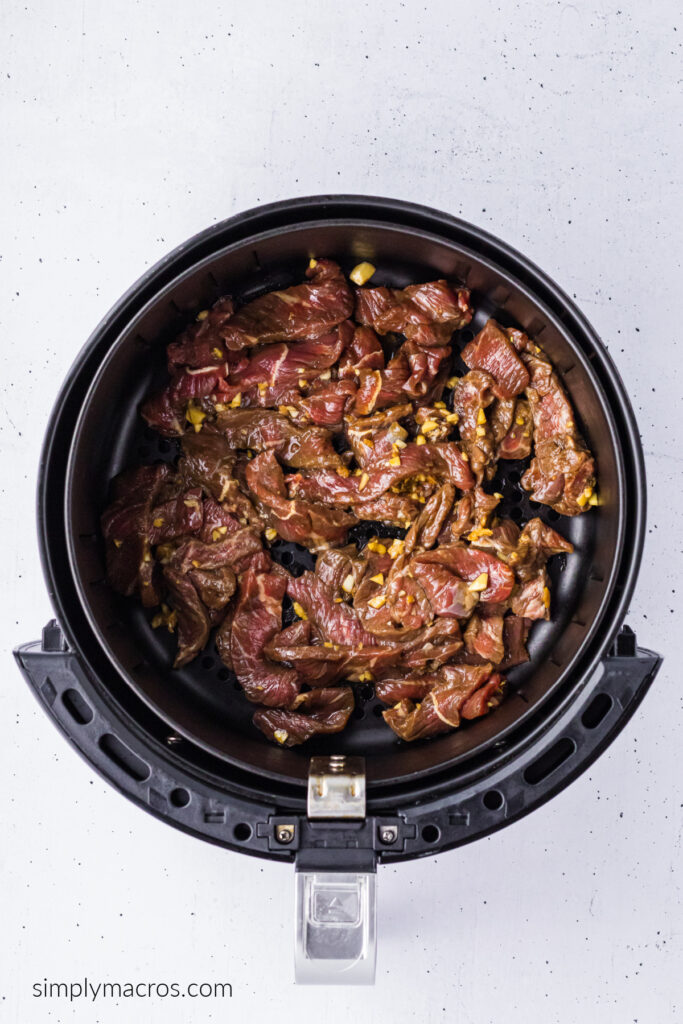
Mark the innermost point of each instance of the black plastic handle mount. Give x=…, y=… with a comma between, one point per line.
x=156, y=777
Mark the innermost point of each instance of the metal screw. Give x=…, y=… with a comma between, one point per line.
x=172, y=740
x=388, y=834
x=284, y=833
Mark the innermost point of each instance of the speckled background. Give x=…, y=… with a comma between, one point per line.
x=129, y=126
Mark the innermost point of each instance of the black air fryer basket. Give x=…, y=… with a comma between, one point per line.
x=181, y=743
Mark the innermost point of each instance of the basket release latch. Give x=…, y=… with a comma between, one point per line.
x=336, y=787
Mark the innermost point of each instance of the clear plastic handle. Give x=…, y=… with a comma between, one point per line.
x=335, y=939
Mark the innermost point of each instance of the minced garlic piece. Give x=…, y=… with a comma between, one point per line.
x=194, y=415
x=342, y=471
x=452, y=418
x=593, y=500
x=519, y=421
x=327, y=643
x=546, y=597
x=481, y=583
x=379, y=578
x=395, y=460
x=452, y=381
x=396, y=548
x=481, y=416
x=363, y=482
x=374, y=545
x=362, y=273
x=439, y=405
x=262, y=386
x=481, y=431
x=347, y=585
x=157, y=522
x=398, y=443
x=410, y=599
x=312, y=263
x=368, y=442
x=217, y=353
x=365, y=677
x=196, y=564
x=203, y=315
x=377, y=602
x=326, y=375
x=165, y=617
x=237, y=401
x=428, y=426
x=219, y=532
x=421, y=439
x=271, y=534
x=117, y=543
x=298, y=610
x=281, y=735
x=497, y=494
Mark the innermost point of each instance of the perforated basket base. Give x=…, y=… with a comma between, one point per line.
x=367, y=732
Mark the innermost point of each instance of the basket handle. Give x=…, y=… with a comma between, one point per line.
x=335, y=941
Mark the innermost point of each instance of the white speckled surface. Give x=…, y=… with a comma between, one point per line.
x=129, y=126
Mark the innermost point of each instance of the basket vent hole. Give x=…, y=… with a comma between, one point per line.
x=378, y=710
x=596, y=710
x=77, y=707
x=550, y=761
x=207, y=662
x=180, y=797
x=493, y=800
x=516, y=513
x=223, y=675
x=242, y=832
x=431, y=834
x=124, y=758
x=359, y=712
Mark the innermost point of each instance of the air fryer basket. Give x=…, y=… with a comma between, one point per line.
x=193, y=726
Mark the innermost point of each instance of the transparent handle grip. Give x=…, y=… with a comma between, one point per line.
x=335, y=939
